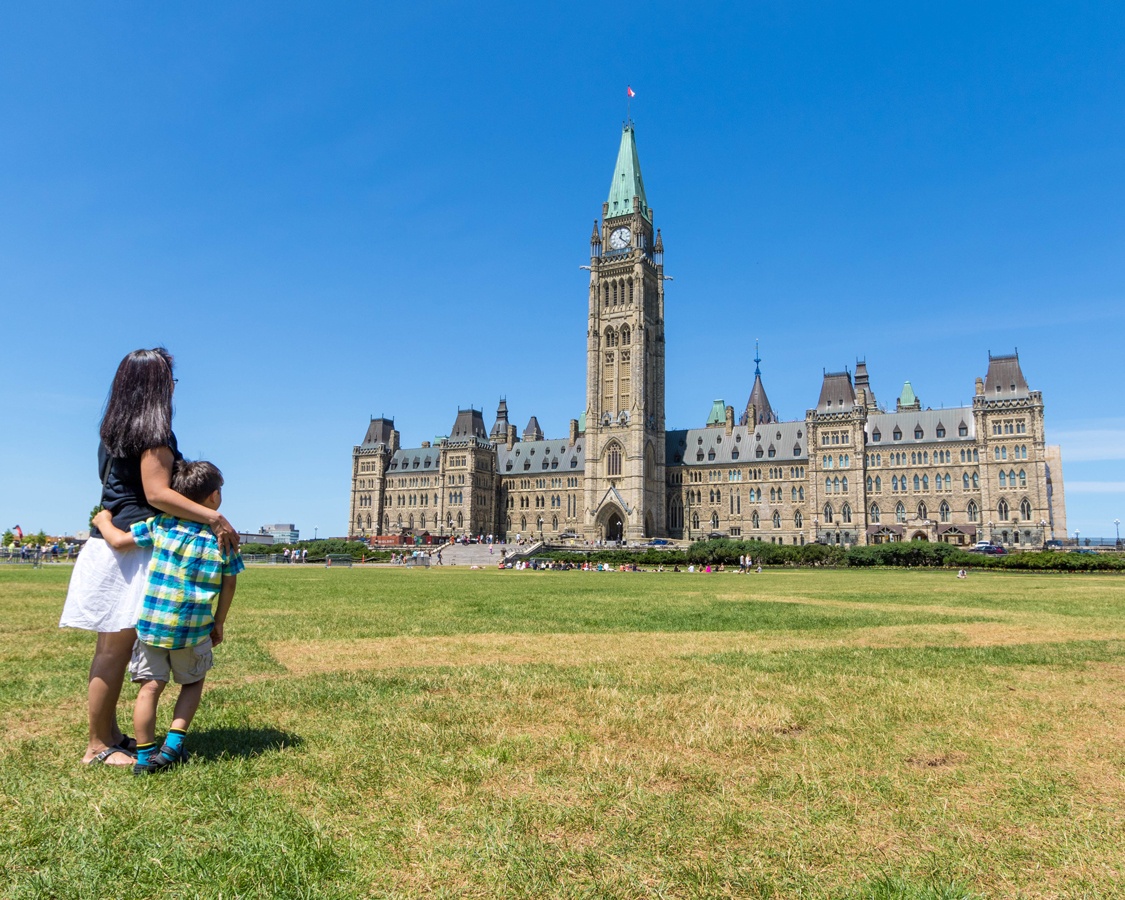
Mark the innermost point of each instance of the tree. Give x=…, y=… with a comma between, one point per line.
x=8, y=537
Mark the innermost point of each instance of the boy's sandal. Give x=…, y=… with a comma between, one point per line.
x=166, y=758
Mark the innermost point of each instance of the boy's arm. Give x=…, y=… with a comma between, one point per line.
x=114, y=536
x=226, y=595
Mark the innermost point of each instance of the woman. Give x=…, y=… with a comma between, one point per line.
x=135, y=459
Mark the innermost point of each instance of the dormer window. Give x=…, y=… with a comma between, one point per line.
x=897, y=435
x=963, y=430
x=918, y=433
x=876, y=436
x=940, y=430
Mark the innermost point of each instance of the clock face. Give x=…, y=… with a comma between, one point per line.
x=620, y=238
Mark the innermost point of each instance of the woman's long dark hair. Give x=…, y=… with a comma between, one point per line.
x=138, y=411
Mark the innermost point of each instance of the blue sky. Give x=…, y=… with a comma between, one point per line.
x=333, y=210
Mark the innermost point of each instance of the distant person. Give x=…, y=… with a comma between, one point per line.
x=177, y=626
x=135, y=458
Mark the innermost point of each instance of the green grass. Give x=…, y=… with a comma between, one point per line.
x=882, y=734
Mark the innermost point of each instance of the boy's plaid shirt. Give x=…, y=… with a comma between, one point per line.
x=184, y=579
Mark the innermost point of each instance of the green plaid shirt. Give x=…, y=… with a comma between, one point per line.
x=184, y=579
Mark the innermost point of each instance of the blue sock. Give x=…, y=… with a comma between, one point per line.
x=145, y=752
x=175, y=740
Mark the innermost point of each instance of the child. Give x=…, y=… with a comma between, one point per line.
x=176, y=628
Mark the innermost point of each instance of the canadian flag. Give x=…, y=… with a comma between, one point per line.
x=630, y=92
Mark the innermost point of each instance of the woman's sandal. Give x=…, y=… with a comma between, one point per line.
x=104, y=756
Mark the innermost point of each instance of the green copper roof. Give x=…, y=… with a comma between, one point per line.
x=718, y=413
x=627, y=181
x=582, y=423
x=907, y=398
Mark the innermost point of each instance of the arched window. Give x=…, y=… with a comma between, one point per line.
x=965, y=481
x=523, y=522
x=1025, y=509
x=922, y=511
x=972, y=511
x=610, y=337
x=1003, y=480
x=1003, y=511
x=613, y=460
x=925, y=482
x=798, y=520
x=976, y=480
x=695, y=521
x=917, y=482
x=625, y=334
x=900, y=514
x=714, y=521
x=422, y=525
x=827, y=513
x=1023, y=478
x=878, y=484
x=844, y=484
x=943, y=511
x=754, y=520
x=359, y=521
x=828, y=485
x=846, y=513
x=776, y=519
x=874, y=513
x=554, y=523
x=870, y=484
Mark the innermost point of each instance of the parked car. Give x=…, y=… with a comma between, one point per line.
x=659, y=542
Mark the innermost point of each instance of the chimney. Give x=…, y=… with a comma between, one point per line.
x=425, y=445
x=730, y=419
x=511, y=436
x=980, y=387
x=572, y=436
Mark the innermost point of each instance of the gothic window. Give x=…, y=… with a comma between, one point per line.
x=755, y=521
x=523, y=522
x=925, y=482
x=900, y=513
x=828, y=513
x=917, y=483
x=610, y=341
x=776, y=519
x=714, y=521
x=554, y=523
x=1023, y=478
x=922, y=511
x=423, y=522
x=625, y=337
x=1025, y=509
x=605, y=295
x=1002, y=510
x=844, y=484
x=846, y=513
x=1003, y=480
x=798, y=520
x=874, y=513
x=615, y=293
x=613, y=460
x=630, y=293
x=943, y=511
x=870, y=484
x=359, y=521
x=695, y=521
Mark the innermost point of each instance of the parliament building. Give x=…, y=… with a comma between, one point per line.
x=852, y=471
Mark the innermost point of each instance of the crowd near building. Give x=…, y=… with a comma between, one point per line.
x=852, y=471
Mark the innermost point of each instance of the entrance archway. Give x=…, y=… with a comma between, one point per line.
x=920, y=536
x=614, y=527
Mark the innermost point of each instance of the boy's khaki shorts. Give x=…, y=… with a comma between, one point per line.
x=186, y=664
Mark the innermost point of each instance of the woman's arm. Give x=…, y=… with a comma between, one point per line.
x=156, y=476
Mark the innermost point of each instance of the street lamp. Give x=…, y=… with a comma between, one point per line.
x=1117, y=527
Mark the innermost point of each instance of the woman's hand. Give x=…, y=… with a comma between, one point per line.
x=224, y=531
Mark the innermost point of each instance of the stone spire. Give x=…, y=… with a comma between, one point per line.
x=499, y=432
x=627, y=182
x=863, y=381
x=758, y=410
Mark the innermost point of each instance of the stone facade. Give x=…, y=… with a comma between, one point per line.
x=852, y=471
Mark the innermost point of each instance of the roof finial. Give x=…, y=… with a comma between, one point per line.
x=757, y=358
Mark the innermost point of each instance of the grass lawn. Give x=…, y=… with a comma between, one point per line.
x=455, y=733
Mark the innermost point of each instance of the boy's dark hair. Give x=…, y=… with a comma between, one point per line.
x=138, y=411
x=196, y=480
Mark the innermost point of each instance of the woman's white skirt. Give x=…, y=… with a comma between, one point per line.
x=107, y=587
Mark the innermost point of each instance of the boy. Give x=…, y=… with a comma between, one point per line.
x=176, y=628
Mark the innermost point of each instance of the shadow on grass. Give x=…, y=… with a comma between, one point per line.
x=216, y=743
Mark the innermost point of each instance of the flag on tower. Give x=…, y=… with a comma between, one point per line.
x=630, y=92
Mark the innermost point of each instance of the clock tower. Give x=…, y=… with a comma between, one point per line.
x=624, y=484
